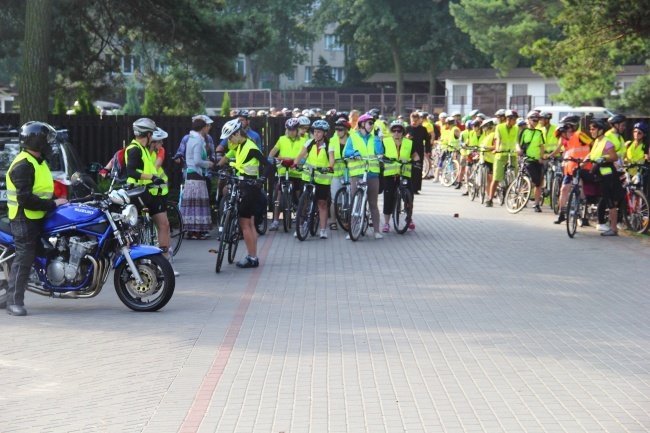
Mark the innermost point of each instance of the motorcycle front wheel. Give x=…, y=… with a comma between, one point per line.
x=157, y=288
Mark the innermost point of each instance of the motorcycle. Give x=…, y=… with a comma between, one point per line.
x=82, y=241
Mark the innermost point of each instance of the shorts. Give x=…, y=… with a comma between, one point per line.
x=535, y=171
x=152, y=202
x=612, y=190
x=427, y=148
x=250, y=201
x=499, y=169
x=322, y=192
x=463, y=160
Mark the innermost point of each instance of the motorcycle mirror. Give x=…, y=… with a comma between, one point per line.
x=75, y=179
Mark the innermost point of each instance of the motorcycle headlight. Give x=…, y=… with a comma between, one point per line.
x=130, y=214
x=125, y=196
x=116, y=197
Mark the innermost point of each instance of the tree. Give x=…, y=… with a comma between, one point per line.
x=132, y=106
x=84, y=104
x=59, y=103
x=594, y=42
x=225, y=105
x=34, y=85
x=323, y=74
x=635, y=99
x=156, y=98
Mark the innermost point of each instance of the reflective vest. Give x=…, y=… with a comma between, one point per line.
x=488, y=140
x=147, y=166
x=634, y=155
x=339, y=167
x=532, y=140
x=289, y=148
x=357, y=168
x=508, y=139
x=617, y=140
x=384, y=129
x=452, y=143
x=405, y=152
x=317, y=157
x=164, y=188
x=464, y=142
x=578, y=146
x=598, y=152
x=250, y=168
x=43, y=186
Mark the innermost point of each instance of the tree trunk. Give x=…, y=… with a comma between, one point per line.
x=36, y=61
x=399, y=76
x=433, y=71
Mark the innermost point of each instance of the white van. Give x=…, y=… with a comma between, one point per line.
x=559, y=111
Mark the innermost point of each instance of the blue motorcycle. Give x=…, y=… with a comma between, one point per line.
x=86, y=238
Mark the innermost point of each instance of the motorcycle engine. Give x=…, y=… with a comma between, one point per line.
x=68, y=267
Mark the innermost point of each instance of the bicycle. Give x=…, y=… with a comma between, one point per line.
x=519, y=191
x=360, y=213
x=577, y=207
x=450, y=169
x=635, y=211
x=554, y=178
x=403, y=207
x=229, y=231
x=473, y=175
x=284, y=189
x=342, y=199
x=431, y=163
x=482, y=176
x=307, y=216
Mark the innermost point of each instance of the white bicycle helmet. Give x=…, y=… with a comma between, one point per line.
x=304, y=121
x=159, y=135
x=322, y=125
x=230, y=128
x=143, y=125
x=442, y=115
x=456, y=113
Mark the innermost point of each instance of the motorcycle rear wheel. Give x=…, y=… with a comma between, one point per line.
x=157, y=287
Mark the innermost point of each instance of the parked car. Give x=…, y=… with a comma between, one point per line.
x=63, y=162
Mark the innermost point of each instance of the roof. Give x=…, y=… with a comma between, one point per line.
x=487, y=73
x=389, y=77
x=7, y=90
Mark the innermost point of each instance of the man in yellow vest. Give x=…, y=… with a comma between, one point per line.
x=505, y=141
x=30, y=188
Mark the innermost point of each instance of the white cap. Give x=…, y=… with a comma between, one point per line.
x=203, y=117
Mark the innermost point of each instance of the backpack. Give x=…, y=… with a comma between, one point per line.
x=119, y=166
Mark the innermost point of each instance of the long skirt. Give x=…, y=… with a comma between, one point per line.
x=195, y=206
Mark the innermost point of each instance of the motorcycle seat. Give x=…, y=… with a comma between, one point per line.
x=5, y=226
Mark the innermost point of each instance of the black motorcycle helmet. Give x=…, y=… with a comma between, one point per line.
x=37, y=136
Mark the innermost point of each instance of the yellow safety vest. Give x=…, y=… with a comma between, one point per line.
x=508, y=139
x=597, y=152
x=487, y=141
x=289, y=149
x=405, y=152
x=147, y=166
x=450, y=142
x=316, y=159
x=464, y=136
x=339, y=167
x=164, y=188
x=617, y=140
x=250, y=168
x=634, y=155
x=532, y=140
x=357, y=168
x=43, y=186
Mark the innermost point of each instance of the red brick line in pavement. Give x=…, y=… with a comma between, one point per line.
x=203, y=396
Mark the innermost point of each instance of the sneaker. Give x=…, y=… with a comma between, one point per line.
x=176, y=273
x=323, y=233
x=379, y=236
x=347, y=237
x=609, y=232
x=537, y=208
x=489, y=203
x=436, y=180
x=560, y=218
x=274, y=226
x=412, y=225
x=249, y=262
x=619, y=226
x=295, y=234
x=459, y=185
x=602, y=227
x=386, y=228
x=465, y=194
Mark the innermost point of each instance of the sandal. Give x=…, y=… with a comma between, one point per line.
x=334, y=226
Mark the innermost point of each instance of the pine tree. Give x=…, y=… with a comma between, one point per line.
x=225, y=105
x=132, y=106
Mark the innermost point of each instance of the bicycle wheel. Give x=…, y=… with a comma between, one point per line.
x=472, y=184
x=357, y=216
x=573, y=212
x=518, y=194
x=555, y=194
x=302, y=215
x=223, y=240
x=402, y=211
x=426, y=165
x=176, y=231
x=449, y=173
x=483, y=183
x=342, y=207
x=366, y=220
x=637, y=212
x=315, y=219
x=233, y=239
x=285, y=205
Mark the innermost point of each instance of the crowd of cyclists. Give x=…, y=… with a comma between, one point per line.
x=341, y=152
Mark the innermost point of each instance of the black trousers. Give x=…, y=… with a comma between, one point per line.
x=27, y=234
x=391, y=183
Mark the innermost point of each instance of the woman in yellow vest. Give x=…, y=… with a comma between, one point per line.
x=288, y=147
x=475, y=135
x=336, y=145
x=248, y=160
x=603, y=153
x=486, y=146
x=158, y=155
x=30, y=188
x=318, y=156
x=399, y=148
x=636, y=151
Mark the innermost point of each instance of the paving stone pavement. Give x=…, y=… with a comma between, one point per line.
x=488, y=322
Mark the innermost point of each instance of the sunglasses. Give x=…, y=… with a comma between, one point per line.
x=534, y=120
x=372, y=122
x=397, y=130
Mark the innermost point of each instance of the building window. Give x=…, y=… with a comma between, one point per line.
x=519, y=89
x=338, y=74
x=550, y=90
x=240, y=65
x=307, y=74
x=130, y=64
x=332, y=43
x=626, y=85
x=160, y=67
x=291, y=76
x=459, y=94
